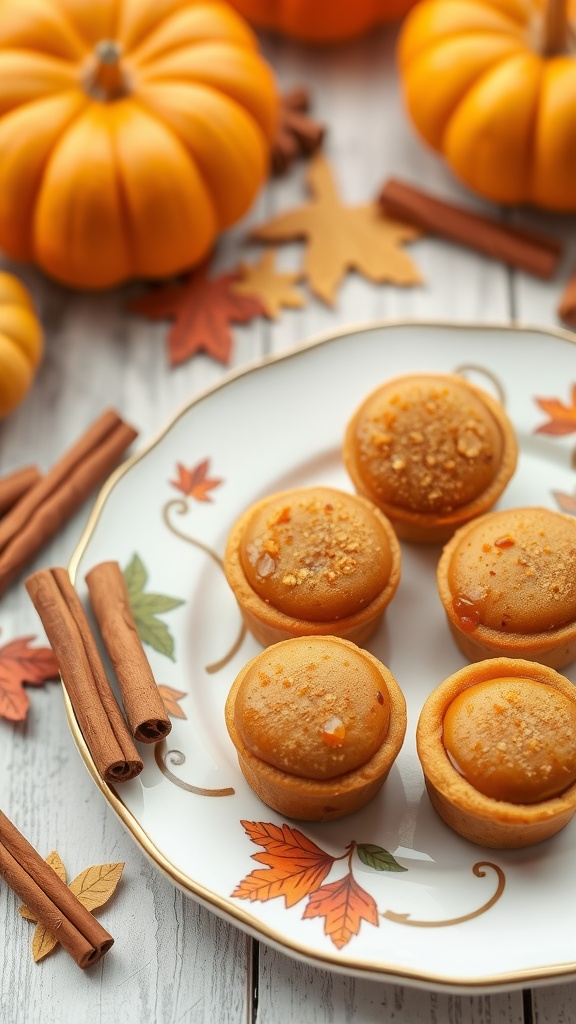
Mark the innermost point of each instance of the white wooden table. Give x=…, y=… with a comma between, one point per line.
x=173, y=961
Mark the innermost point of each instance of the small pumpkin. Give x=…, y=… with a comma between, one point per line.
x=131, y=133
x=491, y=84
x=321, y=21
x=21, y=342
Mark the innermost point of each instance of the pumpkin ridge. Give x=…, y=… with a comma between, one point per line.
x=241, y=38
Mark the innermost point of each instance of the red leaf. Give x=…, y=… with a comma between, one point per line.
x=21, y=664
x=344, y=905
x=295, y=865
x=202, y=310
x=195, y=483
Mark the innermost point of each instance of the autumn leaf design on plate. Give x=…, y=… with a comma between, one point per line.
x=22, y=665
x=93, y=887
x=170, y=698
x=566, y=502
x=342, y=238
x=296, y=868
x=195, y=483
x=147, y=607
x=562, y=418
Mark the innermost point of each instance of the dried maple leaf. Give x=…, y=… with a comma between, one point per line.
x=566, y=502
x=195, y=482
x=202, y=309
x=344, y=905
x=562, y=417
x=171, y=698
x=22, y=665
x=342, y=238
x=295, y=865
x=93, y=888
x=272, y=288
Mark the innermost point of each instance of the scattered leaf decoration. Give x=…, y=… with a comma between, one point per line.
x=297, y=134
x=296, y=868
x=22, y=665
x=272, y=288
x=195, y=483
x=202, y=309
x=146, y=608
x=93, y=888
x=562, y=418
x=171, y=698
x=342, y=238
x=566, y=502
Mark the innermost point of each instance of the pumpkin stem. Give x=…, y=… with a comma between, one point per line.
x=104, y=77
x=555, y=27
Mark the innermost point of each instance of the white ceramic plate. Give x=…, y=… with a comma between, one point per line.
x=457, y=916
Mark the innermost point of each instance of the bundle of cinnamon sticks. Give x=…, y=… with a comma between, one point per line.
x=49, y=899
x=36, y=506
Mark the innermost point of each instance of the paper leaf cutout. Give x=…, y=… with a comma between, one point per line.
x=297, y=134
x=295, y=866
x=378, y=858
x=562, y=417
x=273, y=288
x=195, y=483
x=344, y=905
x=170, y=698
x=342, y=238
x=146, y=608
x=22, y=665
x=566, y=502
x=93, y=888
x=203, y=310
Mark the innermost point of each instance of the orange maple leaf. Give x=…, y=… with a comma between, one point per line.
x=562, y=417
x=21, y=664
x=344, y=905
x=170, y=700
x=195, y=482
x=202, y=310
x=295, y=865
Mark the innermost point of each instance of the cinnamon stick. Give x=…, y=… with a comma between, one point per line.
x=143, y=704
x=297, y=133
x=93, y=702
x=14, y=486
x=49, y=898
x=567, y=304
x=43, y=510
x=526, y=250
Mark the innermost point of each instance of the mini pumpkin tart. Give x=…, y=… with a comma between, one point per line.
x=507, y=582
x=432, y=451
x=497, y=745
x=312, y=560
x=317, y=723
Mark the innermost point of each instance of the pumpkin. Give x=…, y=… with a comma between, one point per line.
x=21, y=342
x=321, y=21
x=491, y=84
x=131, y=133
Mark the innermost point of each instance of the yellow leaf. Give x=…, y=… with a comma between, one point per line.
x=43, y=942
x=95, y=885
x=55, y=862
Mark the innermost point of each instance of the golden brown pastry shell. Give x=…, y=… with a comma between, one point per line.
x=428, y=528
x=479, y=818
x=269, y=625
x=322, y=799
x=555, y=648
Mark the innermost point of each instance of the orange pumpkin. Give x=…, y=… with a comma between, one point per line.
x=491, y=84
x=21, y=342
x=131, y=133
x=321, y=21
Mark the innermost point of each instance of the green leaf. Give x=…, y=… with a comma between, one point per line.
x=378, y=858
x=146, y=608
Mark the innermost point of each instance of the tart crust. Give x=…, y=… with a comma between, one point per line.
x=268, y=623
x=319, y=799
x=432, y=451
x=479, y=818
